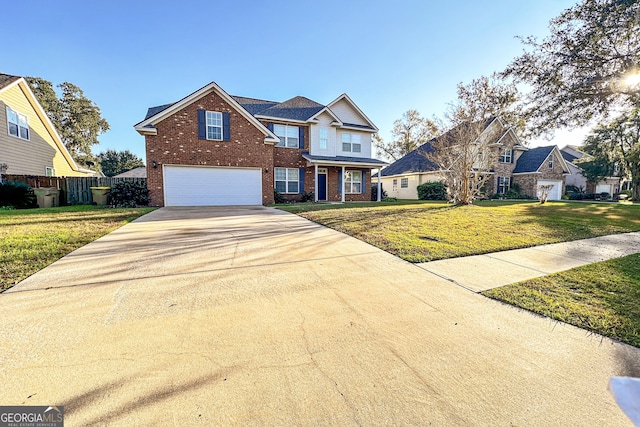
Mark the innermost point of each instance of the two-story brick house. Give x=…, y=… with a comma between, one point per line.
x=211, y=148
x=515, y=164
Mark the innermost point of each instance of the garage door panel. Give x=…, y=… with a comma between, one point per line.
x=210, y=186
x=556, y=191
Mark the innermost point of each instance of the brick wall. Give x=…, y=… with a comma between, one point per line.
x=177, y=143
x=286, y=157
x=529, y=182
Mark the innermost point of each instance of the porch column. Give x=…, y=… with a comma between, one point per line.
x=344, y=184
x=379, y=185
x=315, y=180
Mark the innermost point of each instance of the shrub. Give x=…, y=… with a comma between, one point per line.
x=308, y=196
x=390, y=199
x=374, y=192
x=129, y=194
x=432, y=191
x=278, y=197
x=17, y=195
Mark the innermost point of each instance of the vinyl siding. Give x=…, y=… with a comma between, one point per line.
x=40, y=151
x=365, y=141
x=347, y=114
x=409, y=193
x=324, y=122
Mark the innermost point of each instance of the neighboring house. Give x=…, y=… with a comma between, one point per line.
x=572, y=155
x=211, y=148
x=516, y=164
x=140, y=172
x=29, y=144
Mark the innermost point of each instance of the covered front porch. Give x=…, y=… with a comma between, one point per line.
x=342, y=179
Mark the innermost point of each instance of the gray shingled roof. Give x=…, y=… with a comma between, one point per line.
x=568, y=156
x=152, y=111
x=140, y=172
x=345, y=159
x=297, y=108
x=415, y=161
x=353, y=125
x=531, y=160
x=7, y=79
x=252, y=105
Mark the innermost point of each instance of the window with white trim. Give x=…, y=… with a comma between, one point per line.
x=353, y=182
x=49, y=171
x=324, y=139
x=214, y=125
x=503, y=184
x=404, y=182
x=18, y=124
x=287, y=180
x=550, y=162
x=506, y=155
x=351, y=143
x=289, y=135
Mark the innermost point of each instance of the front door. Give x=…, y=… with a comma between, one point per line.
x=322, y=184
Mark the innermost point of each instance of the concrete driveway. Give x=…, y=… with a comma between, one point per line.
x=221, y=316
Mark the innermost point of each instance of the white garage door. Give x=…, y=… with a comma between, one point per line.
x=556, y=191
x=211, y=186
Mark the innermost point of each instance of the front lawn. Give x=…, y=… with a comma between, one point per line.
x=421, y=232
x=34, y=238
x=601, y=297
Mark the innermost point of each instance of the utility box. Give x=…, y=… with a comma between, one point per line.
x=47, y=197
x=100, y=195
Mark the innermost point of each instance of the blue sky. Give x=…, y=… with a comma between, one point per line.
x=388, y=56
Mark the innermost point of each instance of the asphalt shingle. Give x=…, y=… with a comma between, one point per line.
x=531, y=160
x=7, y=79
x=415, y=161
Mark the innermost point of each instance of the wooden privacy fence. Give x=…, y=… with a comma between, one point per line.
x=74, y=190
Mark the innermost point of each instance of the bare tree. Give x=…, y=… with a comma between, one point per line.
x=409, y=132
x=543, y=192
x=465, y=155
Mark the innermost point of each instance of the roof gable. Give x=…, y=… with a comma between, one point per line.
x=531, y=160
x=146, y=126
x=350, y=114
x=7, y=81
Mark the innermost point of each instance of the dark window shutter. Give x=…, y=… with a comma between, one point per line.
x=270, y=126
x=364, y=181
x=202, y=124
x=226, y=127
x=339, y=181
x=301, y=181
x=512, y=155
x=300, y=137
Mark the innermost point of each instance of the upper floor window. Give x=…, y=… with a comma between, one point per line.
x=351, y=143
x=506, y=156
x=550, y=162
x=353, y=181
x=404, y=183
x=287, y=180
x=324, y=139
x=289, y=135
x=18, y=124
x=214, y=125
x=49, y=171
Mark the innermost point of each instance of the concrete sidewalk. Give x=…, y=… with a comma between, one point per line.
x=481, y=272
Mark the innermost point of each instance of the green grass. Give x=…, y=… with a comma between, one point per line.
x=297, y=208
x=601, y=297
x=34, y=238
x=420, y=232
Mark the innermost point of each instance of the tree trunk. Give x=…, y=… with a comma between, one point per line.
x=635, y=184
